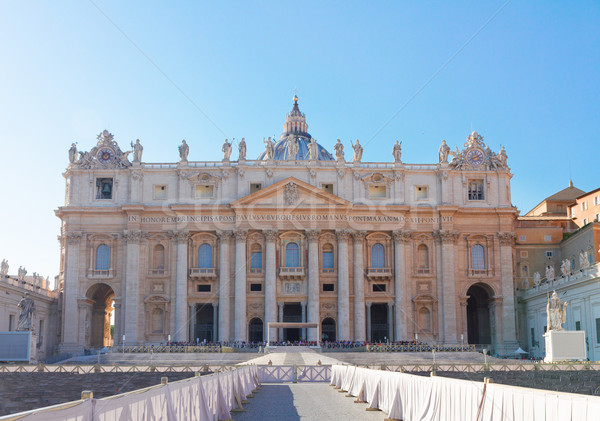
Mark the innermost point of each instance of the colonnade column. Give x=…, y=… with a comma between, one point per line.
x=313, y=282
x=240, y=286
x=71, y=282
x=368, y=322
x=303, y=331
x=118, y=333
x=343, y=323
x=509, y=328
x=359, y=284
x=224, y=288
x=270, y=285
x=215, y=332
x=132, y=279
x=280, y=305
x=192, y=322
x=181, y=277
x=400, y=238
x=390, y=321
x=449, y=297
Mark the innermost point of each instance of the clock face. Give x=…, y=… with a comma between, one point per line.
x=105, y=155
x=475, y=157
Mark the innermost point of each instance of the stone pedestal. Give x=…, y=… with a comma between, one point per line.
x=565, y=345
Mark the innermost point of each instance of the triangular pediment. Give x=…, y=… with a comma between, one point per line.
x=291, y=193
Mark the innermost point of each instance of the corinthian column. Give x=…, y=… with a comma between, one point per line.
x=400, y=239
x=343, y=287
x=270, y=285
x=132, y=280
x=448, y=293
x=71, y=283
x=224, y=289
x=313, y=282
x=240, y=285
x=181, y=306
x=508, y=328
x=359, y=283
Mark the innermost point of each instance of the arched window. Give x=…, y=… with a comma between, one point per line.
x=205, y=257
x=102, y=257
x=378, y=256
x=256, y=256
x=478, y=257
x=422, y=259
x=158, y=257
x=292, y=255
x=327, y=256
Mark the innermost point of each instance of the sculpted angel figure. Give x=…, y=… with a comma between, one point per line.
x=358, y=151
x=184, y=150
x=443, y=152
x=397, y=151
x=556, y=312
x=269, y=148
x=242, y=149
x=226, y=150
x=339, y=150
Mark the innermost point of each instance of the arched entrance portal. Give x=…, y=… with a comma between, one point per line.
x=255, y=330
x=478, y=315
x=328, y=330
x=102, y=297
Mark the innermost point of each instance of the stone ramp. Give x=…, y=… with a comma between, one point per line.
x=306, y=402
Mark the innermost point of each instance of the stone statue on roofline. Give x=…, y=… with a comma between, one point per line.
x=313, y=150
x=269, y=148
x=27, y=309
x=4, y=268
x=443, y=152
x=584, y=263
x=556, y=312
x=550, y=273
x=137, y=150
x=242, y=150
x=397, y=151
x=358, y=152
x=565, y=267
x=537, y=279
x=339, y=150
x=73, y=154
x=21, y=274
x=184, y=150
x=226, y=150
x=292, y=147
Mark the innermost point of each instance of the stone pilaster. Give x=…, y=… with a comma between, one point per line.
x=313, y=282
x=343, y=287
x=224, y=287
x=448, y=293
x=270, y=284
x=359, y=282
x=71, y=281
x=240, y=286
x=132, y=280
x=400, y=288
x=181, y=278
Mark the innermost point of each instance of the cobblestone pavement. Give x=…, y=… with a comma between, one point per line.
x=306, y=402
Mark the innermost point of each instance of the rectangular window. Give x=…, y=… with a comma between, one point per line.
x=377, y=192
x=522, y=238
x=204, y=288
x=598, y=331
x=577, y=325
x=11, y=322
x=547, y=238
x=327, y=188
x=421, y=193
x=254, y=187
x=379, y=287
x=204, y=192
x=596, y=200
x=327, y=287
x=549, y=253
x=532, y=337
x=104, y=188
x=160, y=192
x=583, y=206
x=475, y=190
x=256, y=287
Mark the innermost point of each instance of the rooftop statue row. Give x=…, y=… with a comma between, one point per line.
x=291, y=147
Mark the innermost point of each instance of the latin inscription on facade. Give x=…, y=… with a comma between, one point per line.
x=290, y=218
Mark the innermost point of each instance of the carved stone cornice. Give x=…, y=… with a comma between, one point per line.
x=313, y=235
x=270, y=235
x=402, y=236
x=506, y=238
x=359, y=236
x=446, y=236
x=240, y=235
x=224, y=235
x=343, y=234
x=73, y=237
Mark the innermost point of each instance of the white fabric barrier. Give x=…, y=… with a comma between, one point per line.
x=202, y=398
x=417, y=398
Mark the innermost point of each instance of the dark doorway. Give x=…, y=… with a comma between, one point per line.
x=478, y=316
x=379, y=322
x=102, y=296
x=292, y=312
x=255, y=330
x=328, y=330
x=204, y=322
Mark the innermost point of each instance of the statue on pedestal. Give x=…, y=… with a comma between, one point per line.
x=358, y=151
x=339, y=150
x=565, y=267
x=137, y=151
x=184, y=150
x=537, y=279
x=21, y=274
x=443, y=152
x=502, y=157
x=397, y=151
x=583, y=260
x=27, y=308
x=226, y=150
x=313, y=150
x=556, y=312
x=269, y=148
x=242, y=150
x=4, y=268
x=550, y=273
x=292, y=147
x=73, y=154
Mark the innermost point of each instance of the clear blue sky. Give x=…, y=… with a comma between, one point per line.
x=527, y=80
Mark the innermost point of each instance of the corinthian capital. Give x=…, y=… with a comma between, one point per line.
x=132, y=236
x=73, y=237
x=313, y=235
x=181, y=236
x=343, y=234
x=359, y=236
x=240, y=235
x=270, y=235
x=506, y=238
x=402, y=236
x=447, y=236
x=224, y=235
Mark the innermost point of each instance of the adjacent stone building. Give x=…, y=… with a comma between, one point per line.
x=213, y=251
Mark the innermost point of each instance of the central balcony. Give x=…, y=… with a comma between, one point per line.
x=291, y=272
x=100, y=273
x=203, y=273
x=379, y=273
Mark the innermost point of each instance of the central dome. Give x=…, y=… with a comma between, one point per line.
x=295, y=127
